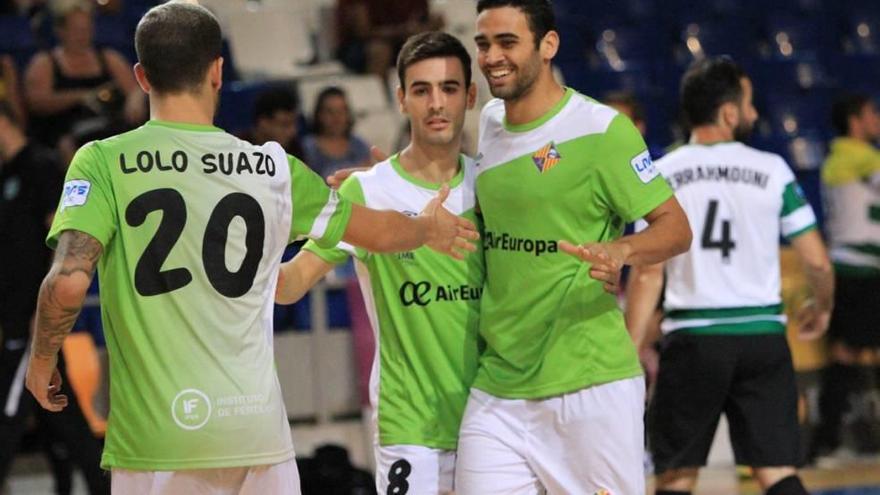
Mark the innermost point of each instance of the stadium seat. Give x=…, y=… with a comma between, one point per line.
x=17, y=39
x=236, y=110
x=861, y=33
x=787, y=76
x=274, y=43
x=366, y=93
x=621, y=48
x=379, y=128
x=788, y=37
x=699, y=39
x=114, y=31
x=792, y=116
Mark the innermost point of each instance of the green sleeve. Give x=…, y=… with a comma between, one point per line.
x=86, y=202
x=629, y=181
x=318, y=212
x=352, y=191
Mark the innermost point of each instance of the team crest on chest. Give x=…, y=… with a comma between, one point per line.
x=546, y=157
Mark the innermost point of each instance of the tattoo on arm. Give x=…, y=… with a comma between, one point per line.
x=63, y=290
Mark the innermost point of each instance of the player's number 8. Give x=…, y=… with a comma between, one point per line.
x=397, y=484
x=150, y=280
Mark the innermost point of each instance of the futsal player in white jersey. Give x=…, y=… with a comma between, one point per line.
x=724, y=347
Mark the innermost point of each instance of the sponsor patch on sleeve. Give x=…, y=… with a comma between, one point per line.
x=76, y=193
x=644, y=167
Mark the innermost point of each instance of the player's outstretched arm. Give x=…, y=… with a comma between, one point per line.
x=299, y=275
x=58, y=305
x=814, y=317
x=392, y=232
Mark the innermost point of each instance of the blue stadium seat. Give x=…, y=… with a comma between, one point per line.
x=857, y=72
x=115, y=31
x=788, y=76
x=698, y=39
x=861, y=33
x=17, y=40
x=788, y=37
x=791, y=116
x=621, y=48
x=237, y=105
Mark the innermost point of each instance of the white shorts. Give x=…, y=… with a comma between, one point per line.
x=414, y=469
x=578, y=443
x=281, y=479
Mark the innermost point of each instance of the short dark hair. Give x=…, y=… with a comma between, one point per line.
x=706, y=86
x=626, y=98
x=329, y=92
x=273, y=100
x=176, y=43
x=846, y=106
x=432, y=44
x=538, y=12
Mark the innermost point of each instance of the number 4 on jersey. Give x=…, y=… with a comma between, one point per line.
x=725, y=244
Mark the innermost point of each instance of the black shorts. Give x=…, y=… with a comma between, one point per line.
x=749, y=378
x=855, y=320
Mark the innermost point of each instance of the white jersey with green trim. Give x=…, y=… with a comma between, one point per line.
x=738, y=201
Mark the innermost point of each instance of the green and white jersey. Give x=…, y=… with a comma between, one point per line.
x=424, y=309
x=851, y=176
x=738, y=201
x=193, y=222
x=578, y=173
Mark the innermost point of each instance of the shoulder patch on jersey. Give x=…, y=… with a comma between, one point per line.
x=644, y=167
x=76, y=193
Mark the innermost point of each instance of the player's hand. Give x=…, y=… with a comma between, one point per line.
x=606, y=258
x=338, y=177
x=812, y=321
x=447, y=233
x=44, y=382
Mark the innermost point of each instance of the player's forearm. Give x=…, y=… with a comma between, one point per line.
x=58, y=306
x=386, y=231
x=668, y=235
x=642, y=294
x=63, y=291
x=299, y=275
x=819, y=271
x=821, y=281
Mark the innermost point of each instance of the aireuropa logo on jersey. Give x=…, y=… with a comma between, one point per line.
x=507, y=242
x=424, y=293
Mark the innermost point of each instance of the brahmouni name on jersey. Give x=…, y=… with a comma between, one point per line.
x=719, y=173
x=251, y=162
x=507, y=242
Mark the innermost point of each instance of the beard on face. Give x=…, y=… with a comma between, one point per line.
x=524, y=78
x=743, y=131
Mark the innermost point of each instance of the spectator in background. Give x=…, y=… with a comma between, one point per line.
x=627, y=104
x=851, y=181
x=372, y=31
x=9, y=89
x=276, y=112
x=75, y=82
x=332, y=146
x=30, y=184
